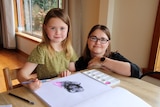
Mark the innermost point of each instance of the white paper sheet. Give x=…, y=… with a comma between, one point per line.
x=117, y=97
x=59, y=97
x=95, y=94
x=9, y=105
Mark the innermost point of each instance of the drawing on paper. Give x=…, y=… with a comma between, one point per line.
x=70, y=86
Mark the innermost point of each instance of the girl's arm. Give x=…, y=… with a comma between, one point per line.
x=72, y=67
x=25, y=74
x=69, y=71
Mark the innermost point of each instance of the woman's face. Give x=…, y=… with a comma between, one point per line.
x=98, y=47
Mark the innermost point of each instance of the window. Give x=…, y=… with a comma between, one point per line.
x=31, y=14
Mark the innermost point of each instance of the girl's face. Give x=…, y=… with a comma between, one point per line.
x=98, y=43
x=56, y=30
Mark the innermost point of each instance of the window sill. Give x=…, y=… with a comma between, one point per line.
x=29, y=37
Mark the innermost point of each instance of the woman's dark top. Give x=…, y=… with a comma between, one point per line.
x=82, y=64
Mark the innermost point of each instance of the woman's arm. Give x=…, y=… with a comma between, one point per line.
x=116, y=66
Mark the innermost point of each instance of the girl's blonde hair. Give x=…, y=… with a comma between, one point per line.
x=66, y=44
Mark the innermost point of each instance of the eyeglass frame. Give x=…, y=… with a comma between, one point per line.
x=102, y=40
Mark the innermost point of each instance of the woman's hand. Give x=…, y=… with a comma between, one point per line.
x=94, y=63
x=65, y=73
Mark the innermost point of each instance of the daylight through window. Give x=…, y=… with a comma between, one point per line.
x=31, y=14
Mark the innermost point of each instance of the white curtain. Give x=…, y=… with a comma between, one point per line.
x=7, y=26
x=74, y=9
x=1, y=44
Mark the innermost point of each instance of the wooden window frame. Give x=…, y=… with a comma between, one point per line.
x=154, y=45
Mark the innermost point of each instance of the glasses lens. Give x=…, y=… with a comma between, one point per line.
x=103, y=40
x=93, y=38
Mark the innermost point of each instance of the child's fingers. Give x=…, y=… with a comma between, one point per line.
x=65, y=73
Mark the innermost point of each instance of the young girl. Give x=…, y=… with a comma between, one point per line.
x=54, y=56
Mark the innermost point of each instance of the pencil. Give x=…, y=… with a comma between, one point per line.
x=30, y=102
x=27, y=82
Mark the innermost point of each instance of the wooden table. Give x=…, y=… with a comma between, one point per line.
x=23, y=92
x=146, y=91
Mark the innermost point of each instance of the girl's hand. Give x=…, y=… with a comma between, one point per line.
x=35, y=84
x=65, y=73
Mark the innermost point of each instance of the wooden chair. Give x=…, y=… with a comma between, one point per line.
x=9, y=76
x=150, y=74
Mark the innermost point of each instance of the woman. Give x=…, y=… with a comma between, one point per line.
x=97, y=54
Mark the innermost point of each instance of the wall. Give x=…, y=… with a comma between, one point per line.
x=132, y=28
x=25, y=45
x=90, y=11
x=131, y=23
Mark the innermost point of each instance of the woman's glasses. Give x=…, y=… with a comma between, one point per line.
x=95, y=39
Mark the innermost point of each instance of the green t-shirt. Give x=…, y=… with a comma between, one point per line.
x=49, y=66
